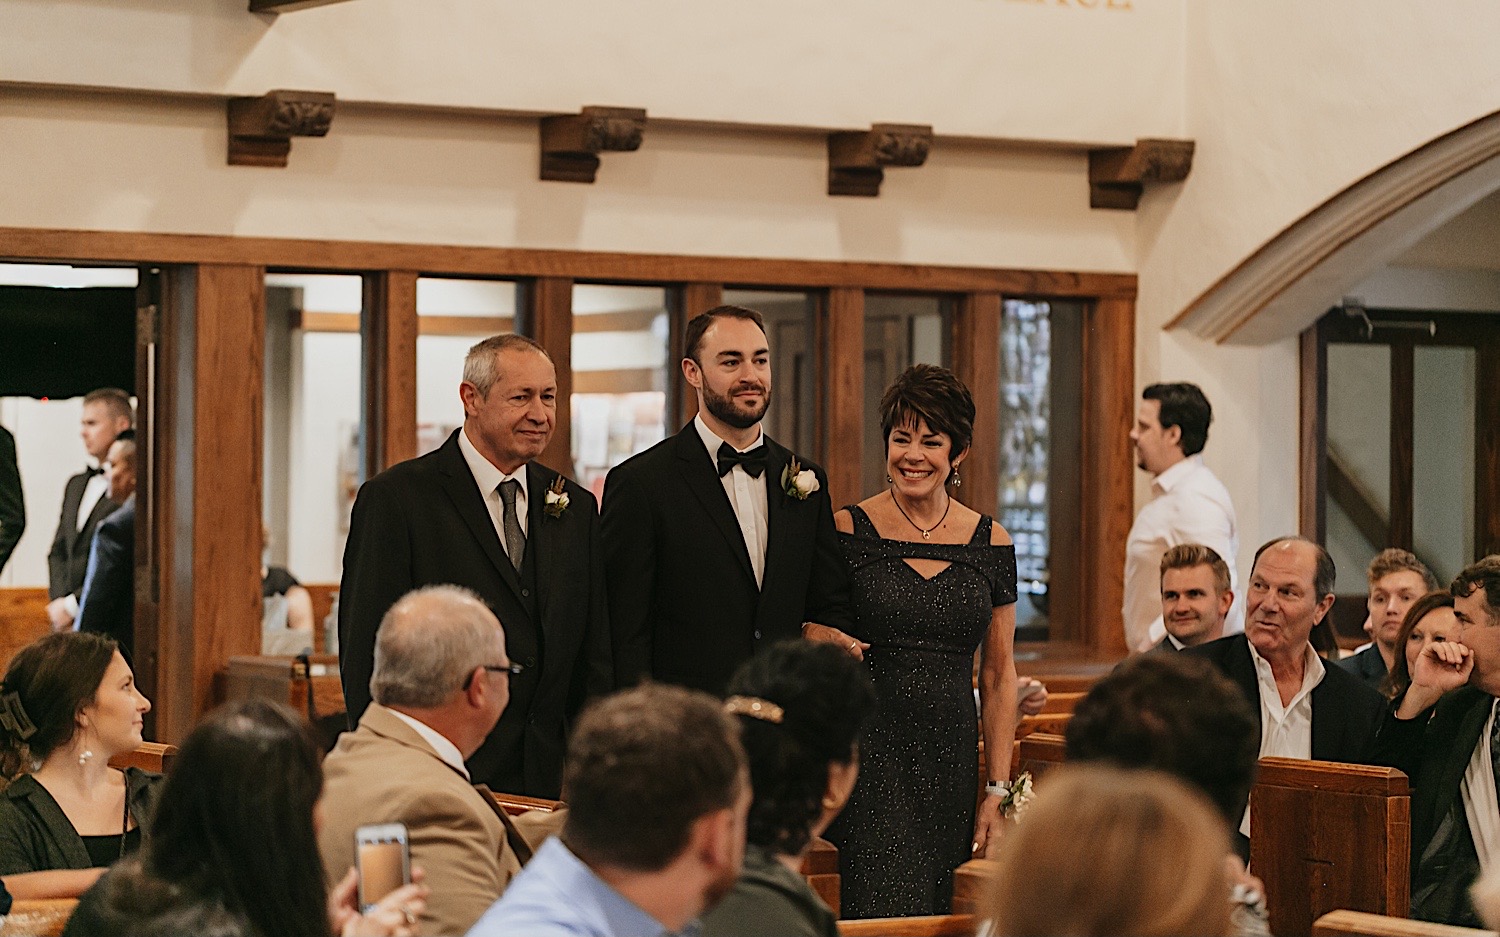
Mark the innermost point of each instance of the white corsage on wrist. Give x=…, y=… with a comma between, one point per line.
x=556, y=500
x=797, y=481
x=1014, y=795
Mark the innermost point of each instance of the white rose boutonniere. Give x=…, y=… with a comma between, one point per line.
x=1015, y=801
x=797, y=481
x=556, y=500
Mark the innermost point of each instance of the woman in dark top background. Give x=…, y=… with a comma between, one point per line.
x=931, y=582
x=802, y=708
x=67, y=706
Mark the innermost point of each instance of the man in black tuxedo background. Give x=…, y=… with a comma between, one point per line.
x=714, y=547
x=106, y=414
x=478, y=512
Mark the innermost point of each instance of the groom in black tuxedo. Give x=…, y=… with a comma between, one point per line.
x=713, y=547
x=479, y=513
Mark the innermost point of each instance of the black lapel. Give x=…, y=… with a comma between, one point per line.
x=778, y=521
x=702, y=480
x=458, y=482
x=1241, y=669
x=1461, y=751
x=102, y=509
x=542, y=539
x=1328, y=717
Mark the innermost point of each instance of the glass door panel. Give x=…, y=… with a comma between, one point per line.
x=1443, y=401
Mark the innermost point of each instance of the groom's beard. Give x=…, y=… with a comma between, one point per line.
x=726, y=408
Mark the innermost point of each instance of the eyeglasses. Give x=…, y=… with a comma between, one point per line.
x=513, y=669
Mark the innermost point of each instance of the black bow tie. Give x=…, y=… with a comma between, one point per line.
x=753, y=461
x=89, y=471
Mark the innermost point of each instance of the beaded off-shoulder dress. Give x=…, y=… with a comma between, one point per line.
x=910, y=821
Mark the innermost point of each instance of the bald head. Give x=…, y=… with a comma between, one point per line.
x=428, y=645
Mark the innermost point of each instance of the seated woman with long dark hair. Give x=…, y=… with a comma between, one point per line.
x=802, y=708
x=67, y=706
x=233, y=847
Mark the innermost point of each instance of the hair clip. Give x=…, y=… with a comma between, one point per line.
x=755, y=708
x=13, y=716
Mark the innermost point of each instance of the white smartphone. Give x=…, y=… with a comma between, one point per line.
x=383, y=857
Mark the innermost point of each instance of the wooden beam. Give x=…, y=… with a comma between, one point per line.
x=261, y=129
x=976, y=360
x=1119, y=174
x=287, y=6
x=1487, y=451
x=1313, y=437
x=547, y=316
x=857, y=159
x=1108, y=470
x=841, y=361
x=616, y=268
x=388, y=345
x=1345, y=490
x=211, y=567
x=1403, y=433
x=571, y=143
x=688, y=300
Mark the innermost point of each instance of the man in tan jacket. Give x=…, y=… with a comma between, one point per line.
x=440, y=682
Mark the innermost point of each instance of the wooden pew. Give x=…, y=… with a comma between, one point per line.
x=517, y=804
x=38, y=917
x=148, y=756
x=23, y=619
x=821, y=869
x=936, y=925
x=1036, y=753
x=970, y=882
x=1058, y=703
x=1327, y=836
x=282, y=679
x=1340, y=923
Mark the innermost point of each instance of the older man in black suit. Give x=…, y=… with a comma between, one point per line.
x=479, y=513
x=1305, y=709
x=1443, y=733
x=719, y=541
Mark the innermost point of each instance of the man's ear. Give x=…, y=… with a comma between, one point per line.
x=470, y=397
x=1226, y=600
x=1172, y=435
x=712, y=839
x=692, y=373
x=1323, y=606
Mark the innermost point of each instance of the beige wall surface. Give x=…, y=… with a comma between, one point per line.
x=990, y=68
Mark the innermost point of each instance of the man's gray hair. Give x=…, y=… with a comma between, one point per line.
x=482, y=366
x=428, y=642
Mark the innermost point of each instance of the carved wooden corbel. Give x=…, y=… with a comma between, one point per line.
x=857, y=159
x=1118, y=174
x=571, y=143
x=261, y=129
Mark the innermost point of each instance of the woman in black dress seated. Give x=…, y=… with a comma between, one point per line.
x=802, y=708
x=67, y=706
x=233, y=850
x=931, y=582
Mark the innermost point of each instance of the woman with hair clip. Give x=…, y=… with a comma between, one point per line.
x=233, y=847
x=802, y=708
x=67, y=706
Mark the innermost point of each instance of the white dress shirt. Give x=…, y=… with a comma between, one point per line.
x=93, y=492
x=747, y=496
x=1481, y=806
x=445, y=749
x=1285, y=731
x=1188, y=505
x=488, y=478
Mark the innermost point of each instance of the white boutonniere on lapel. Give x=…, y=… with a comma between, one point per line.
x=555, y=502
x=797, y=481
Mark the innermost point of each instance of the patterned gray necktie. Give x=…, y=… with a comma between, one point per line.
x=515, y=541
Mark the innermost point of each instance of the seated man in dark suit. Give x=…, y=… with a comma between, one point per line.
x=1305, y=710
x=107, y=603
x=1195, y=596
x=1441, y=732
x=1397, y=579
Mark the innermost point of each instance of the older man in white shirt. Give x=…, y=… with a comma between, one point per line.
x=1188, y=505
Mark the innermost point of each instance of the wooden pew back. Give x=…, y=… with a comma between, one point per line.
x=821, y=869
x=148, y=756
x=936, y=925
x=1338, y=923
x=970, y=882
x=38, y=917
x=1327, y=836
x=23, y=619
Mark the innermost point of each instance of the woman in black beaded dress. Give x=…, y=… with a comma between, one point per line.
x=931, y=582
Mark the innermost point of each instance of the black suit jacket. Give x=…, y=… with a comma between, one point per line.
x=12, y=505
x=67, y=563
x=1434, y=750
x=684, y=606
x=1368, y=666
x=423, y=522
x=107, y=603
x=1345, y=712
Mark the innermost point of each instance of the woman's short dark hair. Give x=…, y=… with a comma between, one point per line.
x=235, y=820
x=826, y=701
x=1399, y=678
x=54, y=678
x=935, y=396
x=1184, y=406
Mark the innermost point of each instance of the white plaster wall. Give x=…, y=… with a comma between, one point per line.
x=996, y=68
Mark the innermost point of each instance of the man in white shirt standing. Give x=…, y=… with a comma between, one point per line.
x=1188, y=505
